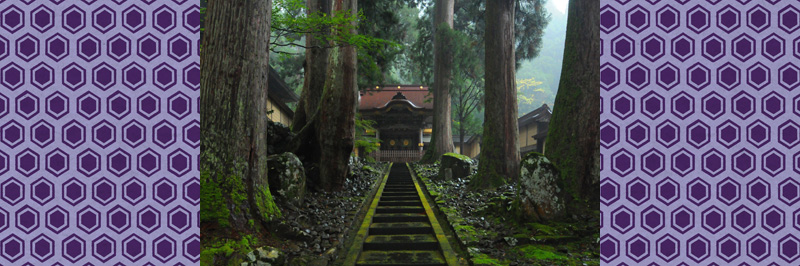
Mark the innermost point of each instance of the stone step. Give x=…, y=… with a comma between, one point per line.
x=401, y=258
x=399, y=209
x=401, y=242
x=399, y=218
x=398, y=198
x=383, y=202
x=399, y=194
x=400, y=228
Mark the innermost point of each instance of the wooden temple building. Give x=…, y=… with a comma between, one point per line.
x=403, y=116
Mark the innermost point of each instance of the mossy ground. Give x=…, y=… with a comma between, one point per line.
x=486, y=225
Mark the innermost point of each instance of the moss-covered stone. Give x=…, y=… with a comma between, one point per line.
x=287, y=178
x=540, y=194
x=454, y=166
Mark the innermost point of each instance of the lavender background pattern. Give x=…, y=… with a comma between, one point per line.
x=699, y=132
x=99, y=132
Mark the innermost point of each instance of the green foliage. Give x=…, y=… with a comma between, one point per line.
x=226, y=251
x=546, y=67
x=369, y=144
x=213, y=206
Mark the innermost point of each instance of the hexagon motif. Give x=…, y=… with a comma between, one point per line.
x=637, y=18
x=118, y=47
x=682, y=162
x=622, y=105
x=796, y=219
x=148, y=162
x=744, y=47
x=3, y=47
x=682, y=219
x=57, y=105
x=88, y=47
x=772, y=162
x=698, y=134
x=667, y=18
x=13, y=247
x=638, y=248
x=191, y=191
x=758, y=76
x=164, y=248
x=57, y=47
x=118, y=219
x=27, y=47
x=73, y=191
x=179, y=219
x=609, y=248
x=4, y=103
x=789, y=134
x=133, y=247
x=191, y=134
x=133, y=133
x=789, y=191
x=149, y=47
x=609, y=19
x=27, y=105
x=118, y=105
x=42, y=18
x=27, y=162
x=73, y=76
x=12, y=191
x=758, y=18
x=191, y=248
x=164, y=19
x=698, y=19
x=164, y=76
x=653, y=47
x=713, y=47
x=133, y=76
x=13, y=76
x=653, y=162
x=789, y=248
x=758, y=191
x=133, y=18
x=191, y=76
x=728, y=19
x=73, y=19
x=133, y=191
x=622, y=162
x=103, y=248
x=12, y=133
x=27, y=219
x=728, y=191
x=713, y=219
x=698, y=191
x=772, y=47
x=789, y=19
x=609, y=191
x=42, y=191
x=180, y=47
x=743, y=105
x=42, y=76
x=103, y=191
x=728, y=248
x=4, y=162
x=164, y=134
x=652, y=219
x=103, y=133
x=668, y=248
x=103, y=18
x=148, y=219
x=789, y=76
x=609, y=76
x=622, y=47
x=652, y=105
x=713, y=162
x=57, y=219
x=104, y=76
x=89, y=162
x=42, y=248
x=637, y=133
x=88, y=105
x=56, y=162
x=758, y=247
x=698, y=76
x=88, y=220
x=638, y=76
x=638, y=191
x=622, y=219
x=743, y=162
x=180, y=162
x=796, y=109
x=667, y=133
x=728, y=76
x=772, y=219
x=164, y=191
x=74, y=248
x=713, y=105
x=667, y=76
x=698, y=248
x=179, y=105
x=682, y=47
x=119, y=162
x=728, y=134
x=148, y=105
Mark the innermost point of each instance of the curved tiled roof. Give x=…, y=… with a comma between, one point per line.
x=418, y=96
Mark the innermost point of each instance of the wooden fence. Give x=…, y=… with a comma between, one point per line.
x=397, y=156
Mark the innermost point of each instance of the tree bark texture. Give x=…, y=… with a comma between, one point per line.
x=499, y=158
x=234, y=74
x=573, y=142
x=442, y=135
x=316, y=66
x=336, y=116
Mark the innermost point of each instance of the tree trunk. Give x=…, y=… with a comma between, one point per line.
x=234, y=79
x=336, y=117
x=315, y=65
x=499, y=159
x=573, y=142
x=442, y=135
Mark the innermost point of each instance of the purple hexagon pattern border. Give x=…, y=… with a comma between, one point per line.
x=700, y=132
x=98, y=132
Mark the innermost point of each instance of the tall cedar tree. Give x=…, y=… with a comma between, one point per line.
x=326, y=141
x=234, y=70
x=573, y=142
x=499, y=158
x=316, y=64
x=442, y=138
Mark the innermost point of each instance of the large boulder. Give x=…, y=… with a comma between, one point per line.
x=265, y=256
x=540, y=194
x=454, y=166
x=287, y=179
